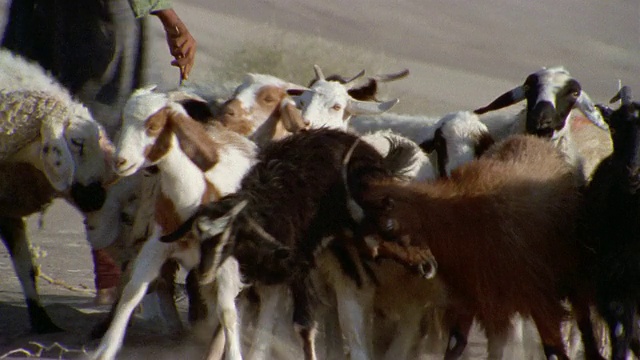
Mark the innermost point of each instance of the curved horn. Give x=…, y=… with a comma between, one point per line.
x=355, y=210
x=509, y=98
x=343, y=80
x=391, y=77
x=318, y=71
x=624, y=95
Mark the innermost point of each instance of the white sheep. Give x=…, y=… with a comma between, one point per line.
x=44, y=132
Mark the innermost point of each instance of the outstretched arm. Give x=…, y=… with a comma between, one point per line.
x=182, y=45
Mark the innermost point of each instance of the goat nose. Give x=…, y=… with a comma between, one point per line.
x=120, y=162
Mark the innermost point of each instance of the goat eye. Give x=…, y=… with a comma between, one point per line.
x=575, y=94
x=78, y=144
x=269, y=99
x=336, y=107
x=301, y=102
x=153, y=127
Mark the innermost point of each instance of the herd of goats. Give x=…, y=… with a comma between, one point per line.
x=370, y=230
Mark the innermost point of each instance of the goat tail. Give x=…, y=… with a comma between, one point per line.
x=180, y=232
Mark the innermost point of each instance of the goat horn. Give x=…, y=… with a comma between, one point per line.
x=509, y=98
x=355, y=210
x=353, y=78
x=319, y=74
x=392, y=76
x=624, y=95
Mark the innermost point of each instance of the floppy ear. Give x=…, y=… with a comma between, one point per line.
x=194, y=140
x=587, y=107
x=295, y=92
x=56, y=157
x=291, y=117
x=509, y=98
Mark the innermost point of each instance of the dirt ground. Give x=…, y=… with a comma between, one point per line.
x=461, y=55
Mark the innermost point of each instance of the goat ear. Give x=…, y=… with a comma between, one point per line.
x=355, y=107
x=507, y=99
x=194, y=140
x=212, y=253
x=213, y=227
x=365, y=92
x=483, y=143
x=58, y=164
x=428, y=146
x=198, y=110
x=291, y=117
x=606, y=112
x=587, y=107
x=295, y=92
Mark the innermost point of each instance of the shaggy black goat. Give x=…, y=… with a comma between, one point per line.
x=612, y=227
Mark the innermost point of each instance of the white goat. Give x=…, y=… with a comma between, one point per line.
x=194, y=168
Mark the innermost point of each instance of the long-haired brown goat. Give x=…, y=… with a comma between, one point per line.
x=502, y=230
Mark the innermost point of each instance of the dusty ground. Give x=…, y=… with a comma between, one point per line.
x=461, y=55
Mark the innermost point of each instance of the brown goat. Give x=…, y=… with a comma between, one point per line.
x=502, y=231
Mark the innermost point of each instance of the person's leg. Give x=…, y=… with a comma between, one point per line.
x=107, y=276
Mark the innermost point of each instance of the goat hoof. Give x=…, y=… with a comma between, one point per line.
x=45, y=327
x=99, y=330
x=40, y=321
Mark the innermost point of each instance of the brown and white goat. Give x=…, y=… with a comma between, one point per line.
x=196, y=167
x=261, y=109
x=502, y=231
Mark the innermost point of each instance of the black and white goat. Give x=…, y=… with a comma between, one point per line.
x=551, y=94
x=295, y=201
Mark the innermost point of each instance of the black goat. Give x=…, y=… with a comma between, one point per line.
x=611, y=227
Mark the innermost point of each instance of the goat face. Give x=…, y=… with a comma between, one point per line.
x=92, y=153
x=624, y=127
x=257, y=99
x=144, y=119
x=459, y=138
x=551, y=94
x=328, y=105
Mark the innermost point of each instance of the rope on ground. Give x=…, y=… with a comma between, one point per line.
x=61, y=283
x=43, y=348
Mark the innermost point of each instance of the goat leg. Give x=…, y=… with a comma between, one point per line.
x=303, y=321
x=458, y=335
x=548, y=320
x=619, y=315
x=216, y=346
x=583, y=319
